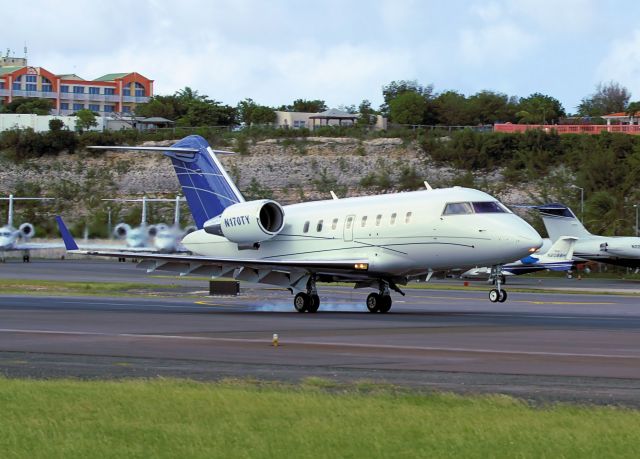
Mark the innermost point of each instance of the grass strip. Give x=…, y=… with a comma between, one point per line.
x=177, y=418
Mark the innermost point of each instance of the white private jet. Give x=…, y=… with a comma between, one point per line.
x=374, y=241
x=10, y=237
x=168, y=238
x=560, y=221
x=559, y=257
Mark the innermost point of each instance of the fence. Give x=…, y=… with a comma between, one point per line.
x=570, y=128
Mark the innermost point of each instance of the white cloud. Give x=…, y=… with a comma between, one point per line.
x=622, y=63
x=497, y=44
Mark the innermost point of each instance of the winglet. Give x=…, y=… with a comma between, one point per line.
x=69, y=242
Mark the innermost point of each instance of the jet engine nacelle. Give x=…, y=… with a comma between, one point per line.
x=248, y=223
x=121, y=230
x=153, y=230
x=27, y=230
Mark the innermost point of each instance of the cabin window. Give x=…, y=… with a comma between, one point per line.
x=334, y=224
x=305, y=229
x=364, y=221
x=393, y=219
x=491, y=207
x=458, y=208
x=319, y=226
x=407, y=218
x=349, y=222
x=378, y=219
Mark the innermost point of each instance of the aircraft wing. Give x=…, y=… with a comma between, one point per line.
x=124, y=248
x=286, y=272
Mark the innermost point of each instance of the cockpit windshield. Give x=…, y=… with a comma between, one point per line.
x=482, y=207
x=5, y=234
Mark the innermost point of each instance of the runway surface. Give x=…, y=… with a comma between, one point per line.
x=536, y=345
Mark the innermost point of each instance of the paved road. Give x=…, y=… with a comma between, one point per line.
x=540, y=346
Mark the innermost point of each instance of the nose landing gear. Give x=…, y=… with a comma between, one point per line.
x=497, y=295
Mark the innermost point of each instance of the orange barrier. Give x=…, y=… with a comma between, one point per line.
x=569, y=128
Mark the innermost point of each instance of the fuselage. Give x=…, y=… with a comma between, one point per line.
x=616, y=250
x=8, y=237
x=400, y=234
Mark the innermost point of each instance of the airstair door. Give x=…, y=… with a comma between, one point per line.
x=348, y=227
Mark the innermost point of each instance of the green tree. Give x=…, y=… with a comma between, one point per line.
x=168, y=107
x=306, y=106
x=28, y=105
x=452, y=109
x=539, y=108
x=608, y=98
x=633, y=110
x=55, y=125
x=408, y=108
x=488, y=107
x=86, y=119
x=367, y=114
x=249, y=112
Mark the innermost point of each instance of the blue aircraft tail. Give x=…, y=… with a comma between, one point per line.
x=205, y=184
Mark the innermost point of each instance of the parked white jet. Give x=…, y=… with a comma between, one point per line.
x=10, y=237
x=375, y=241
x=559, y=221
x=559, y=257
x=138, y=237
x=168, y=238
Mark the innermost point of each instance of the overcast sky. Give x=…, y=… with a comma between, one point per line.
x=340, y=51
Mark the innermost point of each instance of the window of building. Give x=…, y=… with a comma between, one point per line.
x=94, y=107
x=78, y=89
x=126, y=109
x=126, y=92
x=299, y=124
x=93, y=90
x=109, y=108
x=334, y=224
x=64, y=106
x=18, y=78
x=32, y=78
x=319, y=226
x=305, y=228
x=64, y=88
x=378, y=219
x=407, y=218
x=363, y=223
x=78, y=106
x=46, y=87
x=17, y=86
x=32, y=87
x=139, y=90
x=1, y=84
x=393, y=219
x=109, y=91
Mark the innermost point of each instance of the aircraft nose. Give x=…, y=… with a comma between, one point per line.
x=527, y=238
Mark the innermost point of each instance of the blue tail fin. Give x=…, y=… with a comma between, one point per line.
x=205, y=184
x=69, y=242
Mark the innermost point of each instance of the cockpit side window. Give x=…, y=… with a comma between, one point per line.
x=458, y=208
x=489, y=207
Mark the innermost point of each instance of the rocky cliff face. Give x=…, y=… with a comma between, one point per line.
x=288, y=170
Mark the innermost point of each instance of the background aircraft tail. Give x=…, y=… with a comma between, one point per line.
x=560, y=221
x=561, y=250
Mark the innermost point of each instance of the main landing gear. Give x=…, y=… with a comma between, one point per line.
x=308, y=301
x=25, y=257
x=497, y=295
x=380, y=302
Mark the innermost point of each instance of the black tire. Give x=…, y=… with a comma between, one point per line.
x=373, y=302
x=503, y=296
x=314, y=303
x=494, y=295
x=385, y=303
x=301, y=302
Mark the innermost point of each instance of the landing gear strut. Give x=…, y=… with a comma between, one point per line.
x=308, y=301
x=497, y=295
x=380, y=302
x=25, y=257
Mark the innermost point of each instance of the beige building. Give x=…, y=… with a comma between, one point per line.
x=331, y=117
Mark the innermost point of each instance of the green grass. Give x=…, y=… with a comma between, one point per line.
x=179, y=419
x=49, y=287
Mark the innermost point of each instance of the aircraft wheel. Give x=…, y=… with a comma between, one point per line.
x=301, y=302
x=494, y=295
x=314, y=303
x=373, y=302
x=385, y=303
x=503, y=296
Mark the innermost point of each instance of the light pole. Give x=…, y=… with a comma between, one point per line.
x=109, y=223
x=636, y=207
x=581, y=202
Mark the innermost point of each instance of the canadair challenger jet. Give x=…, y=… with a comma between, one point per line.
x=376, y=242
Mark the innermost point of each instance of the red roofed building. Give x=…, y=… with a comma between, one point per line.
x=111, y=93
